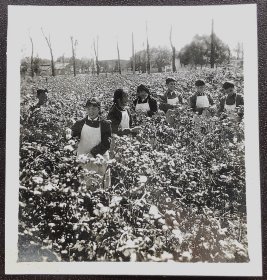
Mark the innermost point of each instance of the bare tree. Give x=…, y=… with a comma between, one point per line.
x=32, y=71
x=238, y=50
x=73, y=46
x=133, y=53
x=147, y=53
x=96, y=56
x=48, y=41
x=173, y=52
x=119, y=61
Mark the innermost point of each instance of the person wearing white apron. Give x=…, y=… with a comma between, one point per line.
x=120, y=117
x=200, y=101
x=144, y=103
x=95, y=137
x=231, y=102
x=171, y=99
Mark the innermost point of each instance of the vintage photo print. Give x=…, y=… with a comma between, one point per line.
x=132, y=141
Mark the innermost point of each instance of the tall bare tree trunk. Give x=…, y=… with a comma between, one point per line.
x=147, y=54
x=73, y=55
x=133, y=54
x=96, y=56
x=173, y=52
x=212, y=59
x=48, y=41
x=119, y=61
x=32, y=71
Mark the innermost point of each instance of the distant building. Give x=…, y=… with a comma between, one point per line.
x=45, y=70
x=61, y=68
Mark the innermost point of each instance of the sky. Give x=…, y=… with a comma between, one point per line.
x=112, y=24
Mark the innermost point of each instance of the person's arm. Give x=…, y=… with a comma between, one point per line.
x=221, y=105
x=210, y=100
x=134, y=104
x=180, y=97
x=153, y=107
x=104, y=145
x=77, y=128
x=239, y=100
x=192, y=102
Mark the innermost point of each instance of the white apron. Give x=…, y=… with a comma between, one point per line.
x=202, y=102
x=173, y=101
x=230, y=110
x=90, y=137
x=142, y=107
x=125, y=120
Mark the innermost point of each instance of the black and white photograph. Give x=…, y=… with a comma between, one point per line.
x=132, y=140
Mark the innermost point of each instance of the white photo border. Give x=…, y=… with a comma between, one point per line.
x=252, y=268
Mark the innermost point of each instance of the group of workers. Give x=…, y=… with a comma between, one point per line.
x=95, y=134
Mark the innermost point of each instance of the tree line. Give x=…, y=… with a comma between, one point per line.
x=203, y=50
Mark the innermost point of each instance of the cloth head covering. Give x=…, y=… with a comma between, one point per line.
x=199, y=83
x=93, y=101
x=143, y=88
x=170, y=79
x=228, y=84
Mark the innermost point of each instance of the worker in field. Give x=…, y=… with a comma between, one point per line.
x=120, y=115
x=95, y=137
x=203, y=105
x=201, y=102
x=42, y=100
x=171, y=99
x=231, y=102
x=121, y=118
x=144, y=103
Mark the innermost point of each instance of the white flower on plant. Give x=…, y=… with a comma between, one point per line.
x=48, y=187
x=186, y=255
x=68, y=148
x=165, y=256
x=71, y=142
x=142, y=179
x=37, y=180
x=82, y=158
x=154, y=212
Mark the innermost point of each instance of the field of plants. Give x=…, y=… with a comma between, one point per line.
x=177, y=194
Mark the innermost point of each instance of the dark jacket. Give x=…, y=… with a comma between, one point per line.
x=193, y=101
x=105, y=128
x=151, y=102
x=115, y=116
x=236, y=98
x=164, y=106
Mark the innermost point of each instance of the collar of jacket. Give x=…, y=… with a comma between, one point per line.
x=93, y=120
x=171, y=94
x=139, y=100
x=201, y=94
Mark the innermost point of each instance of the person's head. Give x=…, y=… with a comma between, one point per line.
x=200, y=85
x=41, y=95
x=93, y=107
x=120, y=97
x=142, y=91
x=228, y=88
x=170, y=83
